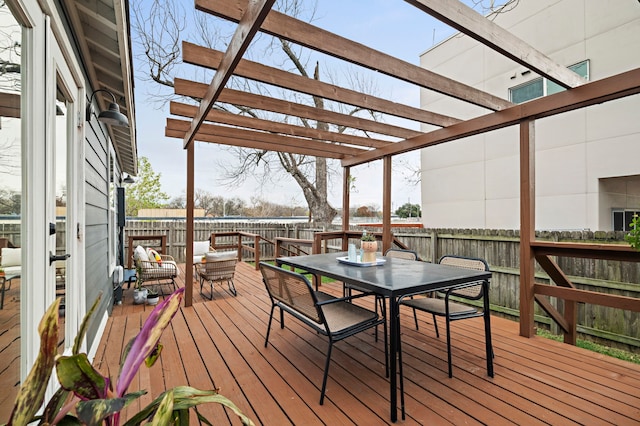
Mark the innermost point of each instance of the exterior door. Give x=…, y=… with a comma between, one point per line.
x=63, y=195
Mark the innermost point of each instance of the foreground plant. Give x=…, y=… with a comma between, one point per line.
x=87, y=397
x=633, y=237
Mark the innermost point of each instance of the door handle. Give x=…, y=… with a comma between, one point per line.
x=54, y=258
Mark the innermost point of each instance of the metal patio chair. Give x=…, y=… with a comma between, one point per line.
x=442, y=305
x=336, y=318
x=380, y=302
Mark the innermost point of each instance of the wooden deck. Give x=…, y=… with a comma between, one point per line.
x=220, y=343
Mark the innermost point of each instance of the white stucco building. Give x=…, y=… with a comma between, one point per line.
x=587, y=161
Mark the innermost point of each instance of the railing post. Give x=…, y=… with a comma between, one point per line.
x=277, y=248
x=256, y=249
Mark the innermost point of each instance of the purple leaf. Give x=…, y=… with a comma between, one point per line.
x=146, y=340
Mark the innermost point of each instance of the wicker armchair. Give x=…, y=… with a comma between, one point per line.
x=217, y=267
x=162, y=269
x=332, y=317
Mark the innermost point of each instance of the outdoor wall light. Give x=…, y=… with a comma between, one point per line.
x=128, y=178
x=112, y=115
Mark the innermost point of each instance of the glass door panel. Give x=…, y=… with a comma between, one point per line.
x=10, y=206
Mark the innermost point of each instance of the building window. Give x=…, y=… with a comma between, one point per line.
x=542, y=87
x=622, y=219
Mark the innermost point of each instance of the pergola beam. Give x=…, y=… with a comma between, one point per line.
x=236, y=97
x=210, y=58
x=466, y=20
x=615, y=87
x=230, y=119
x=248, y=26
x=225, y=135
x=280, y=25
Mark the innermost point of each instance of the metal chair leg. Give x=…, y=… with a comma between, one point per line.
x=326, y=372
x=449, y=348
x=266, y=339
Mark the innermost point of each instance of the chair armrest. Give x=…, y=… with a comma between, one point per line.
x=452, y=291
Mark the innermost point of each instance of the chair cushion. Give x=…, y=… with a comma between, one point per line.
x=171, y=265
x=437, y=306
x=154, y=256
x=11, y=257
x=12, y=270
x=167, y=269
x=140, y=254
x=200, y=248
x=221, y=255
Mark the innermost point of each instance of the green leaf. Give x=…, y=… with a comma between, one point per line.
x=184, y=398
x=31, y=393
x=164, y=413
x=93, y=412
x=76, y=374
x=54, y=405
x=153, y=356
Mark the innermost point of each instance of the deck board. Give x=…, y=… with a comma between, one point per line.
x=220, y=343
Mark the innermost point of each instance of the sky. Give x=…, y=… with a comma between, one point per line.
x=391, y=26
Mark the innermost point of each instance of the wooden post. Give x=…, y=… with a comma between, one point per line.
x=527, y=227
x=188, y=266
x=346, y=192
x=386, y=204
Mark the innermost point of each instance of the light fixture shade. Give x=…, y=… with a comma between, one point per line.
x=128, y=178
x=111, y=116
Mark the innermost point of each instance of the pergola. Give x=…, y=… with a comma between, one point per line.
x=207, y=125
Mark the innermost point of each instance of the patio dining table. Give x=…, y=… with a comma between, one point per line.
x=393, y=278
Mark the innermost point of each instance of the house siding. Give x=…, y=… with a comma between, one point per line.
x=97, y=273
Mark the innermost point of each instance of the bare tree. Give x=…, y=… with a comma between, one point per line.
x=160, y=25
x=160, y=53
x=10, y=58
x=10, y=52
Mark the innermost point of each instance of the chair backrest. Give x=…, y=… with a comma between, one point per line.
x=220, y=265
x=291, y=289
x=402, y=254
x=471, y=292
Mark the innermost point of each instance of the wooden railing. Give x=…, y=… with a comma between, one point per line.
x=160, y=246
x=321, y=243
x=292, y=247
x=501, y=248
x=245, y=242
x=567, y=291
x=321, y=239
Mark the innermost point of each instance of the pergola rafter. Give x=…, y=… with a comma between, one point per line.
x=209, y=58
x=354, y=150
x=280, y=106
x=230, y=119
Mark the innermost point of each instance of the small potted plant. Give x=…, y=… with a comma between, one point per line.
x=152, y=296
x=633, y=237
x=369, y=247
x=139, y=293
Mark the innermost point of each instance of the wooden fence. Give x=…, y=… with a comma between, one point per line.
x=500, y=248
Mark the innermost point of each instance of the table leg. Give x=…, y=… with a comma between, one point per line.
x=393, y=354
x=4, y=284
x=487, y=331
